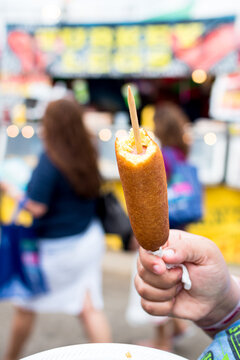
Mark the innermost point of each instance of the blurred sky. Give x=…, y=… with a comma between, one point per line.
x=112, y=11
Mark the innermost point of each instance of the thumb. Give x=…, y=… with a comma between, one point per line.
x=185, y=247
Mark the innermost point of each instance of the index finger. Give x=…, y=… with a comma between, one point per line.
x=151, y=262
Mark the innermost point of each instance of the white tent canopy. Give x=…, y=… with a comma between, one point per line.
x=108, y=11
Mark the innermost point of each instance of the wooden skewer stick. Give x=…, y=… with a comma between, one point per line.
x=134, y=121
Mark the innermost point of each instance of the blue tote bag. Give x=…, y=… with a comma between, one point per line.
x=20, y=271
x=185, y=195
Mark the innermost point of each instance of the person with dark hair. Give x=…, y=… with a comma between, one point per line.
x=62, y=198
x=170, y=128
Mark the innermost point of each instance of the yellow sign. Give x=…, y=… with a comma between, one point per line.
x=158, y=35
x=99, y=62
x=127, y=61
x=102, y=36
x=221, y=222
x=128, y=36
x=143, y=49
x=71, y=62
x=187, y=34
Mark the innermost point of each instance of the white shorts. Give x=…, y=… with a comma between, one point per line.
x=72, y=266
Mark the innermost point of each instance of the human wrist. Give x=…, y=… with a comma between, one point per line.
x=224, y=313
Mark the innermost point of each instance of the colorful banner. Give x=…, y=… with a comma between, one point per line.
x=146, y=50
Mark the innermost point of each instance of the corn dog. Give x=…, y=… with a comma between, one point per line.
x=144, y=184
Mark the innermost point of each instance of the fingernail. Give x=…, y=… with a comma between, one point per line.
x=157, y=269
x=168, y=253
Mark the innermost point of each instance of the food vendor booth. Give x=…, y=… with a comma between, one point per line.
x=44, y=62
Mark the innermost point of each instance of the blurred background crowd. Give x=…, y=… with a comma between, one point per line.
x=72, y=60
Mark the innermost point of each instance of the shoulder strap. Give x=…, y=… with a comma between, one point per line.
x=18, y=208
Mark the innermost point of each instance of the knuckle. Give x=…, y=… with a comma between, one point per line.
x=175, y=276
x=147, y=306
x=168, y=308
x=140, y=287
x=141, y=271
x=140, y=290
x=169, y=294
x=136, y=282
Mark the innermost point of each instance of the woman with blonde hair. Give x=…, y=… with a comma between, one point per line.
x=62, y=196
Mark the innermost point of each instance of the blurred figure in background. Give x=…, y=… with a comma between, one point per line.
x=61, y=197
x=170, y=128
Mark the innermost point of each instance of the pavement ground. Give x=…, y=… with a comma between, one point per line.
x=57, y=330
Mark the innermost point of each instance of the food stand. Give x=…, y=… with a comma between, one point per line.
x=41, y=54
